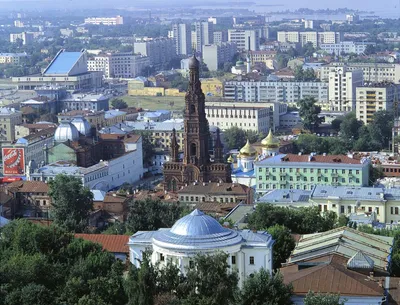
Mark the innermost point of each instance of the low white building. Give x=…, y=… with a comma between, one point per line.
x=199, y=233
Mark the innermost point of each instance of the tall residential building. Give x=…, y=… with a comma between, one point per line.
x=9, y=118
x=290, y=171
x=220, y=36
x=215, y=55
x=27, y=38
x=119, y=65
x=342, y=89
x=316, y=38
x=158, y=51
x=245, y=39
x=183, y=38
x=373, y=98
x=117, y=20
x=281, y=92
x=204, y=34
x=372, y=72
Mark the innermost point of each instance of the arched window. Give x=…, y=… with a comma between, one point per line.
x=192, y=108
x=193, y=149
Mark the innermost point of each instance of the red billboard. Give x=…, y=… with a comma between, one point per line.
x=13, y=161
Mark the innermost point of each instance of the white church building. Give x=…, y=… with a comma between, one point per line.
x=199, y=233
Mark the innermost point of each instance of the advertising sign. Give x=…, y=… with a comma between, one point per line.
x=13, y=161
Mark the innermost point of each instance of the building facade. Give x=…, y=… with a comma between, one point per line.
x=159, y=51
x=117, y=20
x=204, y=34
x=93, y=102
x=196, y=164
x=25, y=37
x=289, y=171
x=342, y=89
x=345, y=47
x=12, y=58
x=373, y=98
x=246, y=40
x=316, y=38
x=9, y=118
x=182, y=35
x=215, y=55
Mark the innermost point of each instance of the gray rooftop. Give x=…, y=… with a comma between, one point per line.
x=287, y=196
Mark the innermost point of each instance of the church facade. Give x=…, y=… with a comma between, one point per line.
x=196, y=165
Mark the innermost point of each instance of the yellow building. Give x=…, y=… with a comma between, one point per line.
x=265, y=57
x=11, y=58
x=212, y=87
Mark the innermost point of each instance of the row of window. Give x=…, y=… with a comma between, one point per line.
x=312, y=179
x=191, y=263
x=305, y=170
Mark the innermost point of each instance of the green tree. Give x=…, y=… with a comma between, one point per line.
x=381, y=127
x=323, y=299
x=235, y=138
x=149, y=215
x=343, y=220
x=349, y=128
x=309, y=113
x=118, y=103
x=147, y=147
x=308, y=49
x=265, y=289
x=72, y=203
x=284, y=244
x=375, y=173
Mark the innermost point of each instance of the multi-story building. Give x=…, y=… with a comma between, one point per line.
x=258, y=117
x=159, y=51
x=117, y=20
x=373, y=98
x=316, y=38
x=245, y=39
x=9, y=118
x=281, y=92
x=266, y=57
x=82, y=101
x=12, y=58
x=183, y=38
x=372, y=72
x=215, y=55
x=220, y=36
x=290, y=171
x=119, y=65
x=204, y=34
x=25, y=37
x=345, y=47
x=342, y=89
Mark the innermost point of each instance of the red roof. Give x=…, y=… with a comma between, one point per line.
x=29, y=186
x=320, y=159
x=110, y=243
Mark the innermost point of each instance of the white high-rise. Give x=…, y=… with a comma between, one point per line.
x=245, y=39
x=204, y=34
x=183, y=38
x=342, y=88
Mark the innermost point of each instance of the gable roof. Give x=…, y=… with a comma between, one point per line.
x=110, y=243
x=331, y=277
x=28, y=187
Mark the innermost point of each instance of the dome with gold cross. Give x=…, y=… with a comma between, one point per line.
x=248, y=150
x=270, y=141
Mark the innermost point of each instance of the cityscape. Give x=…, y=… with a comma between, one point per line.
x=199, y=153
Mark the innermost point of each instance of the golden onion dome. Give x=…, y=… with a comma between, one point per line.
x=270, y=141
x=230, y=159
x=248, y=150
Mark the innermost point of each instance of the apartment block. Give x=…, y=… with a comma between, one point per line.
x=105, y=20
x=204, y=34
x=220, y=36
x=280, y=92
x=215, y=55
x=345, y=47
x=372, y=72
x=27, y=38
x=373, y=98
x=290, y=171
x=342, y=89
x=266, y=57
x=12, y=58
x=9, y=118
x=158, y=51
x=119, y=65
x=316, y=38
x=182, y=35
x=245, y=39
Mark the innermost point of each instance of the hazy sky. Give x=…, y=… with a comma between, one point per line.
x=377, y=5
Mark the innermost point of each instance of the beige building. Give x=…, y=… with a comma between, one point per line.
x=117, y=20
x=342, y=89
x=266, y=57
x=245, y=39
x=9, y=118
x=12, y=58
x=373, y=98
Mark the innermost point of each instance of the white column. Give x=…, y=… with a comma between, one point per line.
x=239, y=259
x=230, y=261
x=181, y=264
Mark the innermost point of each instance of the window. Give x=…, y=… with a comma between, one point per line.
x=342, y=209
x=162, y=258
x=251, y=260
x=377, y=211
x=191, y=264
x=233, y=260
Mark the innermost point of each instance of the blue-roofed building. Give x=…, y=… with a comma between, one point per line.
x=199, y=233
x=68, y=69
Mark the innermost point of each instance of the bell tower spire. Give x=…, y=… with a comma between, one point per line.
x=174, y=147
x=218, y=149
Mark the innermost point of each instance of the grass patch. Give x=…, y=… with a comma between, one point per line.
x=156, y=102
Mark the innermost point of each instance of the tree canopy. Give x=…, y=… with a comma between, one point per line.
x=309, y=113
x=235, y=137
x=71, y=201
x=284, y=244
x=323, y=299
x=118, y=103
